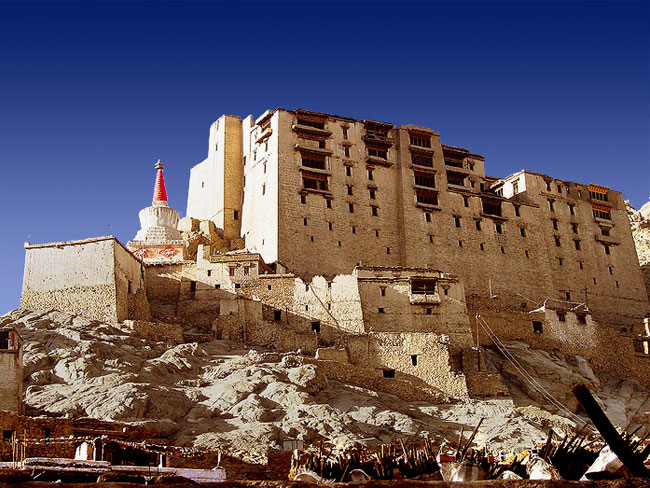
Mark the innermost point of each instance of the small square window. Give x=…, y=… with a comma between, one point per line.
x=389, y=373
x=414, y=359
x=209, y=272
x=567, y=295
x=561, y=316
x=445, y=291
x=270, y=287
x=354, y=229
x=498, y=228
x=311, y=238
x=217, y=286
x=7, y=434
x=370, y=175
x=237, y=286
x=381, y=310
x=277, y=315
x=429, y=311
x=537, y=326
x=235, y=214
x=582, y=318
x=339, y=243
x=315, y=327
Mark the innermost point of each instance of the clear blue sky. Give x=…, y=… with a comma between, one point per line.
x=92, y=94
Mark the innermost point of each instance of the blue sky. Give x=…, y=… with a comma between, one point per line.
x=93, y=93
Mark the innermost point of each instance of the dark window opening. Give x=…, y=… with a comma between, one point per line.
x=312, y=123
x=304, y=221
x=351, y=207
x=582, y=318
x=372, y=194
x=414, y=359
x=270, y=287
x=482, y=246
x=382, y=290
x=418, y=140
x=537, y=327
x=478, y=224
x=602, y=214
x=375, y=211
x=457, y=221
x=47, y=433
x=348, y=171
x=378, y=153
x=466, y=201
x=389, y=373
x=303, y=199
x=516, y=210
x=455, y=179
x=376, y=232
x=370, y=175
x=209, y=272
x=349, y=189
x=329, y=203
x=426, y=197
x=492, y=208
x=594, y=195
x=522, y=231
x=604, y=231
x=607, y=251
x=321, y=144
x=423, y=287
x=313, y=162
x=381, y=310
x=572, y=209
x=561, y=316
x=7, y=434
x=315, y=327
x=557, y=241
x=422, y=160
x=235, y=214
x=498, y=228
x=551, y=206
x=237, y=286
x=567, y=295
x=314, y=181
x=277, y=314
x=429, y=311
x=427, y=216
x=424, y=179
x=217, y=286
x=577, y=244
x=554, y=224
x=192, y=288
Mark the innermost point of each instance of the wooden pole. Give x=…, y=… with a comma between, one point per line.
x=609, y=432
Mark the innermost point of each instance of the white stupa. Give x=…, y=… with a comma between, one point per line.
x=158, y=239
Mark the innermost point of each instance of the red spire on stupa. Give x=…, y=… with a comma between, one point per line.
x=159, y=192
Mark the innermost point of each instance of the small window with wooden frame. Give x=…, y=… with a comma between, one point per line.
x=314, y=181
x=426, y=197
x=315, y=161
x=426, y=180
x=419, y=139
x=422, y=159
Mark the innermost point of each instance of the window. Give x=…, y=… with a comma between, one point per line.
x=426, y=197
x=414, y=357
x=548, y=186
x=594, y=195
x=315, y=326
x=491, y=208
x=377, y=153
x=607, y=251
x=567, y=295
x=455, y=179
x=346, y=151
x=376, y=232
x=329, y=225
x=498, y=228
x=577, y=244
x=306, y=308
x=304, y=221
x=315, y=162
x=457, y=221
x=351, y=207
x=581, y=264
x=349, y=189
x=303, y=199
x=554, y=221
x=381, y=310
x=354, y=229
x=235, y=214
x=370, y=175
x=522, y=231
x=551, y=206
x=571, y=209
x=264, y=189
x=537, y=326
x=453, y=162
x=561, y=316
x=420, y=140
x=382, y=291
x=388, y=250
x=557, y=241
x=517, y=211
x=372, y=194
x=617, y=284
x=582, y=318
x=482, y=246
x=611, y=270
x=7, y=434
x=574, y=228
x=466, y=202
x=345, y=132
x=314, y=181
x=595, y=282
x=422, y=159
x=430, y=238
x=559, y=189
x=424, y=179
x=526, y=253
x=389, y=373
x=503, y=250
x=601, y=214
x=460, y=243
x=321, y=144
x=277, y=315
x=445, y=291
x=423, y=287
x=270, y=287
x=478, y=224
x=192, y=288
x=339, y=243
x=209, y=272
x=202, y=184
x=560, y=261
x=328, y=203
x=604, y=231
x=231, y=271
x=311, y=238
x=375, y=211
x=311, y=123
x=348, y=171
x=427, y=216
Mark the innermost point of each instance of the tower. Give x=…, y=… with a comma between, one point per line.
x=158, y=239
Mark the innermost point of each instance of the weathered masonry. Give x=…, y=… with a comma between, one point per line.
x=321, y=193
x=11, y=371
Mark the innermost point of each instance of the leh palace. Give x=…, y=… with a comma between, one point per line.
x=375, y=251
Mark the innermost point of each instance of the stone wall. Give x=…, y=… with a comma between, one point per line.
x=96, y=278
x=11, y=372
x=45, y=436
x=156, y=331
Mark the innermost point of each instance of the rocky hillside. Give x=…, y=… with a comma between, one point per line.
x=640, y=223
x=221, y=394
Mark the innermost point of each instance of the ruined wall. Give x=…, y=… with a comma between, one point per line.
x=11, y=372
x=131, y=296
x=75, y=277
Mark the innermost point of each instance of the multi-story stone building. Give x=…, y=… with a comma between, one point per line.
x=321, y=193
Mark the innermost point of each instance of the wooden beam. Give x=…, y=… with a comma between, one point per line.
x=609, y=432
